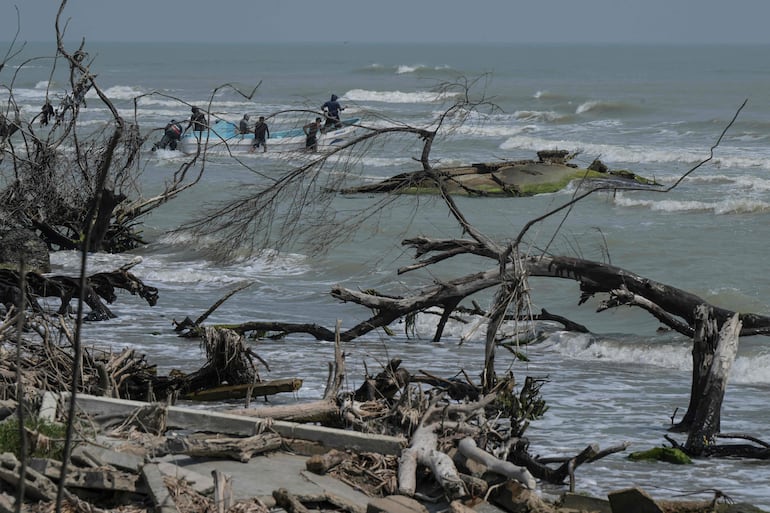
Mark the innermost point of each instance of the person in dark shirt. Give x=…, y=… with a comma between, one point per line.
x=243, y=127
x=311, y=134
x=261, y=133
x=46, y=113
x=171, y=135
x=332, y=110
x=197, y=120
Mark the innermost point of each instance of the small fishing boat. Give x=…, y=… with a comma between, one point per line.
x=225, y=137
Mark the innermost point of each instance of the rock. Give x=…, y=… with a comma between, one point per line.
x=598, y=166
x=574, y=501
x=632, y=500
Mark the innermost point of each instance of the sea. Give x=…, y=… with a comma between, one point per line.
x=697, y=117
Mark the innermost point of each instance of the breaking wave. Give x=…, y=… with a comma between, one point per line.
x=602, y=107
x=723, y=207
x=364, y=95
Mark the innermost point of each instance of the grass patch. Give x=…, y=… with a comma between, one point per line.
x=44, y=439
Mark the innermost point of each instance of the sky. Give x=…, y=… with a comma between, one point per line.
x=408, y=21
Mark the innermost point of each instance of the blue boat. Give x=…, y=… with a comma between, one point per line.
x=225, y=137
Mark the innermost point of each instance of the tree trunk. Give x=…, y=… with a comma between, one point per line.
x=423, y=451
x=703, y=347
x=102, y=217
x=706, y=422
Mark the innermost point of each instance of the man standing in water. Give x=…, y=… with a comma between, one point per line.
x=332, y=110
x=311, y=134
x=197, y=121
x=243, y=128
x=261, y=133
x=46, y=113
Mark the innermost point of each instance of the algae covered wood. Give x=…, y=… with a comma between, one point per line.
x=550, y=173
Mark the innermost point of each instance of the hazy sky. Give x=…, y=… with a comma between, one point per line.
x=518, y=21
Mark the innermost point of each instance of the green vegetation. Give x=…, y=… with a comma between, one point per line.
x=555, y=182
x=667, y=454
x=44, y=439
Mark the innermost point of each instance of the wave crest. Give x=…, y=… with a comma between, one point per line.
x=364, y=95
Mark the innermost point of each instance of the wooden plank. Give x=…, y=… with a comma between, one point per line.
x=224, y=392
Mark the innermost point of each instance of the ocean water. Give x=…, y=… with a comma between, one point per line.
x=654, y=110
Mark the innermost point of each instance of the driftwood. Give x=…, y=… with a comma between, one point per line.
x=567, y=466
x=223, y=491
x=99, y=288
x=468, y=448
x=424, y=449
x=671, y=306
x=512, y=496
x=322, y=463
x=551, y=172
x=262, y=388
x=239, y=449
x=288, y=501
x=48, y=365
x=384, y=385
x=228, y=359
x=713, y=354
x=325, y=411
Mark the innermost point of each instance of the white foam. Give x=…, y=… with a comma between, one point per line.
x=724, y=206
x=364, y=95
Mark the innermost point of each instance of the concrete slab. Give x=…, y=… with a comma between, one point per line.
x=258, y=477
x=164, y=503
x=344, y=495
x=200, y=483
x=101, y=408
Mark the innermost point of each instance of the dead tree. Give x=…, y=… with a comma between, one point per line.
x=53, y=190
x=714, y=359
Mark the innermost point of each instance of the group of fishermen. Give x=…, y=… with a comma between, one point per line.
x=331, y=110
x=261, y=132
x=173, y=131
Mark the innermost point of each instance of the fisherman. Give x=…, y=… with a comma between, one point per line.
x=332, y=110
x=46, y=113
x=171, y=135
x=197, y=120
x=311, y=134
x=261, y=133
x=243, y=128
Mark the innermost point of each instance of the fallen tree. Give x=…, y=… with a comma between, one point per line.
x=508, y=280
x=96, y=289
x=76, y=185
